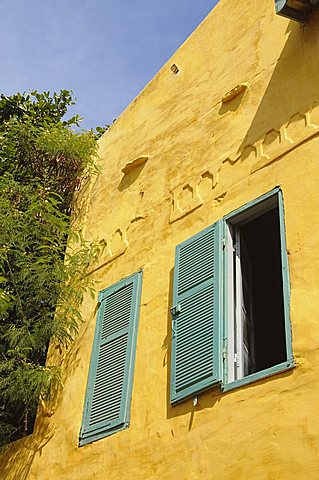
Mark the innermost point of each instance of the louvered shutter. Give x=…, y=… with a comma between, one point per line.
x=196, y=314
x=110, y=378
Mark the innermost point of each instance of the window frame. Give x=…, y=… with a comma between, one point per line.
x=285, y=10
x=258, y=206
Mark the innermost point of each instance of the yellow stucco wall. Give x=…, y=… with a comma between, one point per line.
x=205, y=159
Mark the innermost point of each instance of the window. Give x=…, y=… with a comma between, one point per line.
x=108, y=393
x=230, y=319
x=294, y=9
x=257, y=296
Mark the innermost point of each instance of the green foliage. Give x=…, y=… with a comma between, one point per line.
x=43, y=264
x=100, y=131
x=41, y=108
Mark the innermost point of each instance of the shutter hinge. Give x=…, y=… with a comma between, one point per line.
x=173, y=328
x=176, y=309
x=100, y=296
x=236, y=359
x=224, y=243
x=224, y=349
x=87, y=404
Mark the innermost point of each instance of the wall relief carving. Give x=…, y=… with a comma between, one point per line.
x=211, y=186
x=117, y=242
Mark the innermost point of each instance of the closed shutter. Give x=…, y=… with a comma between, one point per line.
x=111, y=371
x=196, y=314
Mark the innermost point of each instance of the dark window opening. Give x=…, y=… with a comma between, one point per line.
x=262, y=285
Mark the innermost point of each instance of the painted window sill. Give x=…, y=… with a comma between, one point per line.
x=268, y=372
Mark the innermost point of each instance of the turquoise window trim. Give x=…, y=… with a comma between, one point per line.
x=101, y=429
x=225, y=309
x=285, y=275
x=128, y=382
x=253, y=203
x=255, y=377
x=276, y=193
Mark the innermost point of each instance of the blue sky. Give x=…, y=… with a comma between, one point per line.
x=106, y=51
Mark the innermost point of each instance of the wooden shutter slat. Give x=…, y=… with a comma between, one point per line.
x=111, y=369
x=108, y=395
x=117, y=311
x=195, y=261
x=196, y=362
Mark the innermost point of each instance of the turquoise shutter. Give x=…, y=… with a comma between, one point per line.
x=196, y=314
x=108, y=394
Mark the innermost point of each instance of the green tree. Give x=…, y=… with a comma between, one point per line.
x=43, y=262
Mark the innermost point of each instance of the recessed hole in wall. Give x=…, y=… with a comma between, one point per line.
x=174, y=69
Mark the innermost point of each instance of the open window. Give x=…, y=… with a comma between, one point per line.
x=257, y=294
x=230, y=314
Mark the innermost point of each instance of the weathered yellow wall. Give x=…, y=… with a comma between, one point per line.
x=205, y=160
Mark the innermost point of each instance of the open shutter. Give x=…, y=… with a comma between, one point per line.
x=196, y=314
x=110, y=378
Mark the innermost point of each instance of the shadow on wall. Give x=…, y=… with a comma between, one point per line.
x=209, y=398
x=130, y=177
x=17, y=458
x=293, y=86
x=206, y=399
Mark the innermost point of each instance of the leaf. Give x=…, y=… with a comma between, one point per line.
x=44, y=261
